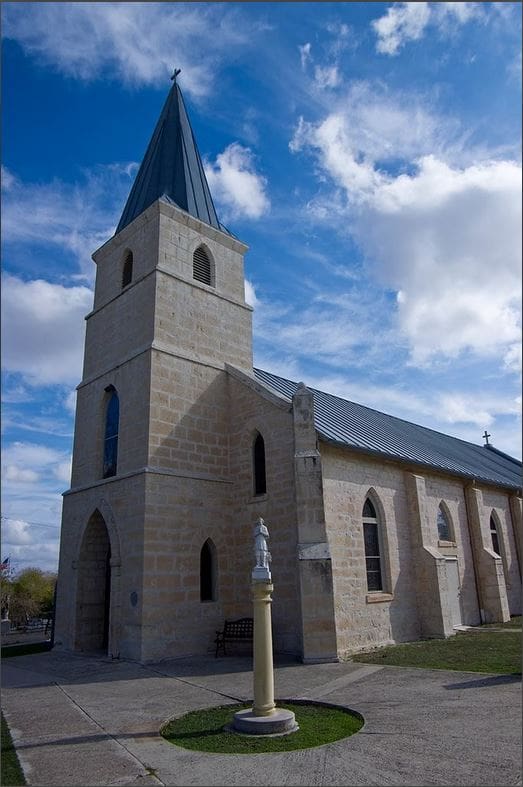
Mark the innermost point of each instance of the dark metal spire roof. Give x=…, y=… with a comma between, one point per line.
x=341, y=421
x=172, y=168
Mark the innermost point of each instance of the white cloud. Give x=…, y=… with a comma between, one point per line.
x=405, y=22
x=137, y=43
x=305, y=54
x=62, y=471
x=371, y=127
x=8, y=179
x=445, y=237
x=402, y=22
x=513, y=358
x=38, y=456
x=43, y=330
x=33, y=477
x=235, y=184
x=326, y=77
x=77, y=217
x=19, y=475
x=70, y=402
x=250, y=294
x=456, y=12
x=16, y=532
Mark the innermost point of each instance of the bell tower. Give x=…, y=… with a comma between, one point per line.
x=151, y=477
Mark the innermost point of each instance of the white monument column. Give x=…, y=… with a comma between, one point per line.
x=262, y=600
x=264, y=718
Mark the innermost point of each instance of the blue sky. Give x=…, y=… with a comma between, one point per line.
x=368, y=154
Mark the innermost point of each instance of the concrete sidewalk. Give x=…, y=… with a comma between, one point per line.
x=86, y=720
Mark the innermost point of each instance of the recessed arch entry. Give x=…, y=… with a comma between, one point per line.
x=95, y=566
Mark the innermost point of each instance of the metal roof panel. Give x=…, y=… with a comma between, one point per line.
x=364, y=429
x=172, y=168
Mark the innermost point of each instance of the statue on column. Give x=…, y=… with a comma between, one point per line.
x=262, y=555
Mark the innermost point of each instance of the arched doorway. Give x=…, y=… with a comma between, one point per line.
x=93, y=596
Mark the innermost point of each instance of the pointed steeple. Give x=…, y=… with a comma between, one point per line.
x=172, y=168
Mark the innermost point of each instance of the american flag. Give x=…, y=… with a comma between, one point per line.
x=4, y=565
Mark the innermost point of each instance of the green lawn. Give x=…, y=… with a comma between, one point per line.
x=483, y=649
x=203, y=730
x=11, y=772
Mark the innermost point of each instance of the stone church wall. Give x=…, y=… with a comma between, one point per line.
x=367, y=619
x=397, y=614
x=496, y=502
x=252, y=412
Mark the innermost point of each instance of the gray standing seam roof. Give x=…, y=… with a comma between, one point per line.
x=343, y=422
x=172, y=168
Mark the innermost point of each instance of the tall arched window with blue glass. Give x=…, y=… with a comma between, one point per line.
x=112, y=418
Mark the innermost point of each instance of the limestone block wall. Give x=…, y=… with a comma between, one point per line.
x=180, y=234
x=132, y=382
x=498, y=503
x=434, y=610
x=492, y=592
x=194, y=320
x=516, y=516
x=121, y=504
x=253, y=410
x=181, y=513
x=450, y=492
x=121, y=329
x=314, y=554
x=366, y=619
x=189, y=417
x=140, y=237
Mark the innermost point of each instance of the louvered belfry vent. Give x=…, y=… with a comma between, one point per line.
x=202, y=266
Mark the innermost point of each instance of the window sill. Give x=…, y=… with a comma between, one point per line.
x=259, y=498
x=447, y=544
x=375, y=598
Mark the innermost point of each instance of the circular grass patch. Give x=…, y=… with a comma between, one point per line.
x=204, y=730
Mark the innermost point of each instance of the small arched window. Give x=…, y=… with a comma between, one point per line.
x=494, y=535
x=127, y=270
x=208, y=571
x=112, y=418
x=202, y=266
x=371, y=540
x=444, y=533
x=258, y=456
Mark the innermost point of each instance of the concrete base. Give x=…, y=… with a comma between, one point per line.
x=280, y=722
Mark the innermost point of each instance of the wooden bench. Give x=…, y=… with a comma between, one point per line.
x=240, y=630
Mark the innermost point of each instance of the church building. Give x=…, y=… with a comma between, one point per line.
x=381, y=531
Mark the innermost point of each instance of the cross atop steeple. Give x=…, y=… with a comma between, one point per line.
x=175, y=74
x=486, y=436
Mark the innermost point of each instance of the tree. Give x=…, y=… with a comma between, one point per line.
x=5, y=593
x=31, y=595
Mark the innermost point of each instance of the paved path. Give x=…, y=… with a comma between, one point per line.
x=79, y=720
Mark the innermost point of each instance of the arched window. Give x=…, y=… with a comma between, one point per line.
x=494, y=535
x=202, y=266
x=127, y=270
x=208, y=572
x=258, y=456
x=112, y=418
x=371, y=539
x=444, y=533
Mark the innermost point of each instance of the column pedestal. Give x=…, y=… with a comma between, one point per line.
x=264, y=718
